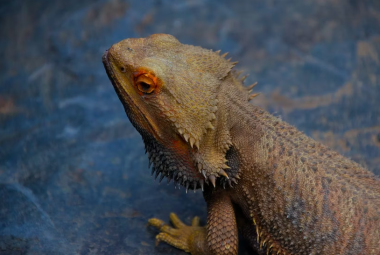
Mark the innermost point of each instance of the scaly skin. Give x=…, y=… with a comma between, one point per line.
x=284, y=192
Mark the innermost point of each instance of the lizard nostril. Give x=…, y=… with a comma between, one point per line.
x=122, y=69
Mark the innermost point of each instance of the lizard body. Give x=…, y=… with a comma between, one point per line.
x=262, y=178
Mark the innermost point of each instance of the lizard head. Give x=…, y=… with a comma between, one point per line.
x=169, y=92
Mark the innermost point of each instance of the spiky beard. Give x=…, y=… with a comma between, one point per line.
x=168, y=165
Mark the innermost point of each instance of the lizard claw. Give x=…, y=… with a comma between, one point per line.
x=179, y=236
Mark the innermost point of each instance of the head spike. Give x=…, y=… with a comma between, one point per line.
x=197, y=144
x=187, y=186
x=161, y=177
x=225, y=166
x=222, y=172
x=212, y=179
x=218, y=51
x=224, y=55
x=201, y=183
x=192, y=141
x=251, y=86
x=253, y=96
x=200, y=166
x=244, y=77
x=157, y=173
x=175, y=177
x=210, y=126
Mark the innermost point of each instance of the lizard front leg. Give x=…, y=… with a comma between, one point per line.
x=222, y=231
x=218, y=237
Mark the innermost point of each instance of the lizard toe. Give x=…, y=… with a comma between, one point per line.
x=181, y=235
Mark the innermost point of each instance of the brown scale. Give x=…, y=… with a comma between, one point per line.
x=281, y=190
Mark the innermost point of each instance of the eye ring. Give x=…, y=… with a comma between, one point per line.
x=145, y=84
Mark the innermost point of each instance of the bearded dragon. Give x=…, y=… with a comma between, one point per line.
x=261, y=177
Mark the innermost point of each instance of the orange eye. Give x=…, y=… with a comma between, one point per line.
x=145, y=84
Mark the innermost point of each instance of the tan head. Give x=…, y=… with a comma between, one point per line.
x=169, y=93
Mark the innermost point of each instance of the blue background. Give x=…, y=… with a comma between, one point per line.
x=74, y=178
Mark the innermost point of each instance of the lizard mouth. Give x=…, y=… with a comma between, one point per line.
x=164, y=162
x=130, y=106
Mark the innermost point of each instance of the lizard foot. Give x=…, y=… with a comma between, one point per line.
x=181, y=236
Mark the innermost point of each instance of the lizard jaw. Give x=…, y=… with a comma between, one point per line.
x=131, y=108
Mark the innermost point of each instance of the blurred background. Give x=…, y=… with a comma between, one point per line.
x=74, y=178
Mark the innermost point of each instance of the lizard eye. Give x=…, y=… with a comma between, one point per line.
x=145, y=84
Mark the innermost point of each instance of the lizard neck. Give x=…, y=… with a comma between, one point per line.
x=237, y=116
x=239, y=122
